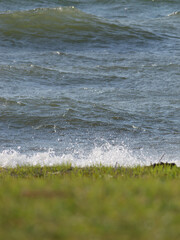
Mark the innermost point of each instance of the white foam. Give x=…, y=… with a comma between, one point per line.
x=174, y=13
x=106, y=155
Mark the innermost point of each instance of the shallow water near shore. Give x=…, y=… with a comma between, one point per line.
x=89, y=82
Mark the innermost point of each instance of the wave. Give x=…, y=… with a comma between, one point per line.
x=44, y=26
x=176, y=14
x=106, y=155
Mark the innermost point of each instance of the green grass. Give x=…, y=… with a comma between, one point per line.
x=90, y=203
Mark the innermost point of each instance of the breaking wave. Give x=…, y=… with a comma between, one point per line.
x=177, y=13
x=106, y=155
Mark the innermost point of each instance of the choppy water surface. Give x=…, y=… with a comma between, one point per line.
x=89, y=82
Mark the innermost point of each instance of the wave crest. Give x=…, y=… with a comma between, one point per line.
x=177, y=13
x=65, y=25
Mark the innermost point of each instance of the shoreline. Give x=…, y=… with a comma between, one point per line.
x=160, y=169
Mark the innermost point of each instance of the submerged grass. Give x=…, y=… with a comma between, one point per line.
x=65, y=202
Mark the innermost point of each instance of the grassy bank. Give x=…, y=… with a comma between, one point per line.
x=90, y=203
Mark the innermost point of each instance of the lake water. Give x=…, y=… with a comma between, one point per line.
x=89, y=82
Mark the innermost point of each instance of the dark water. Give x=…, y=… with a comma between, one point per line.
x=89, y=82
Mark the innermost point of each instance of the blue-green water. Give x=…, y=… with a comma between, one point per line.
x=89, y=82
